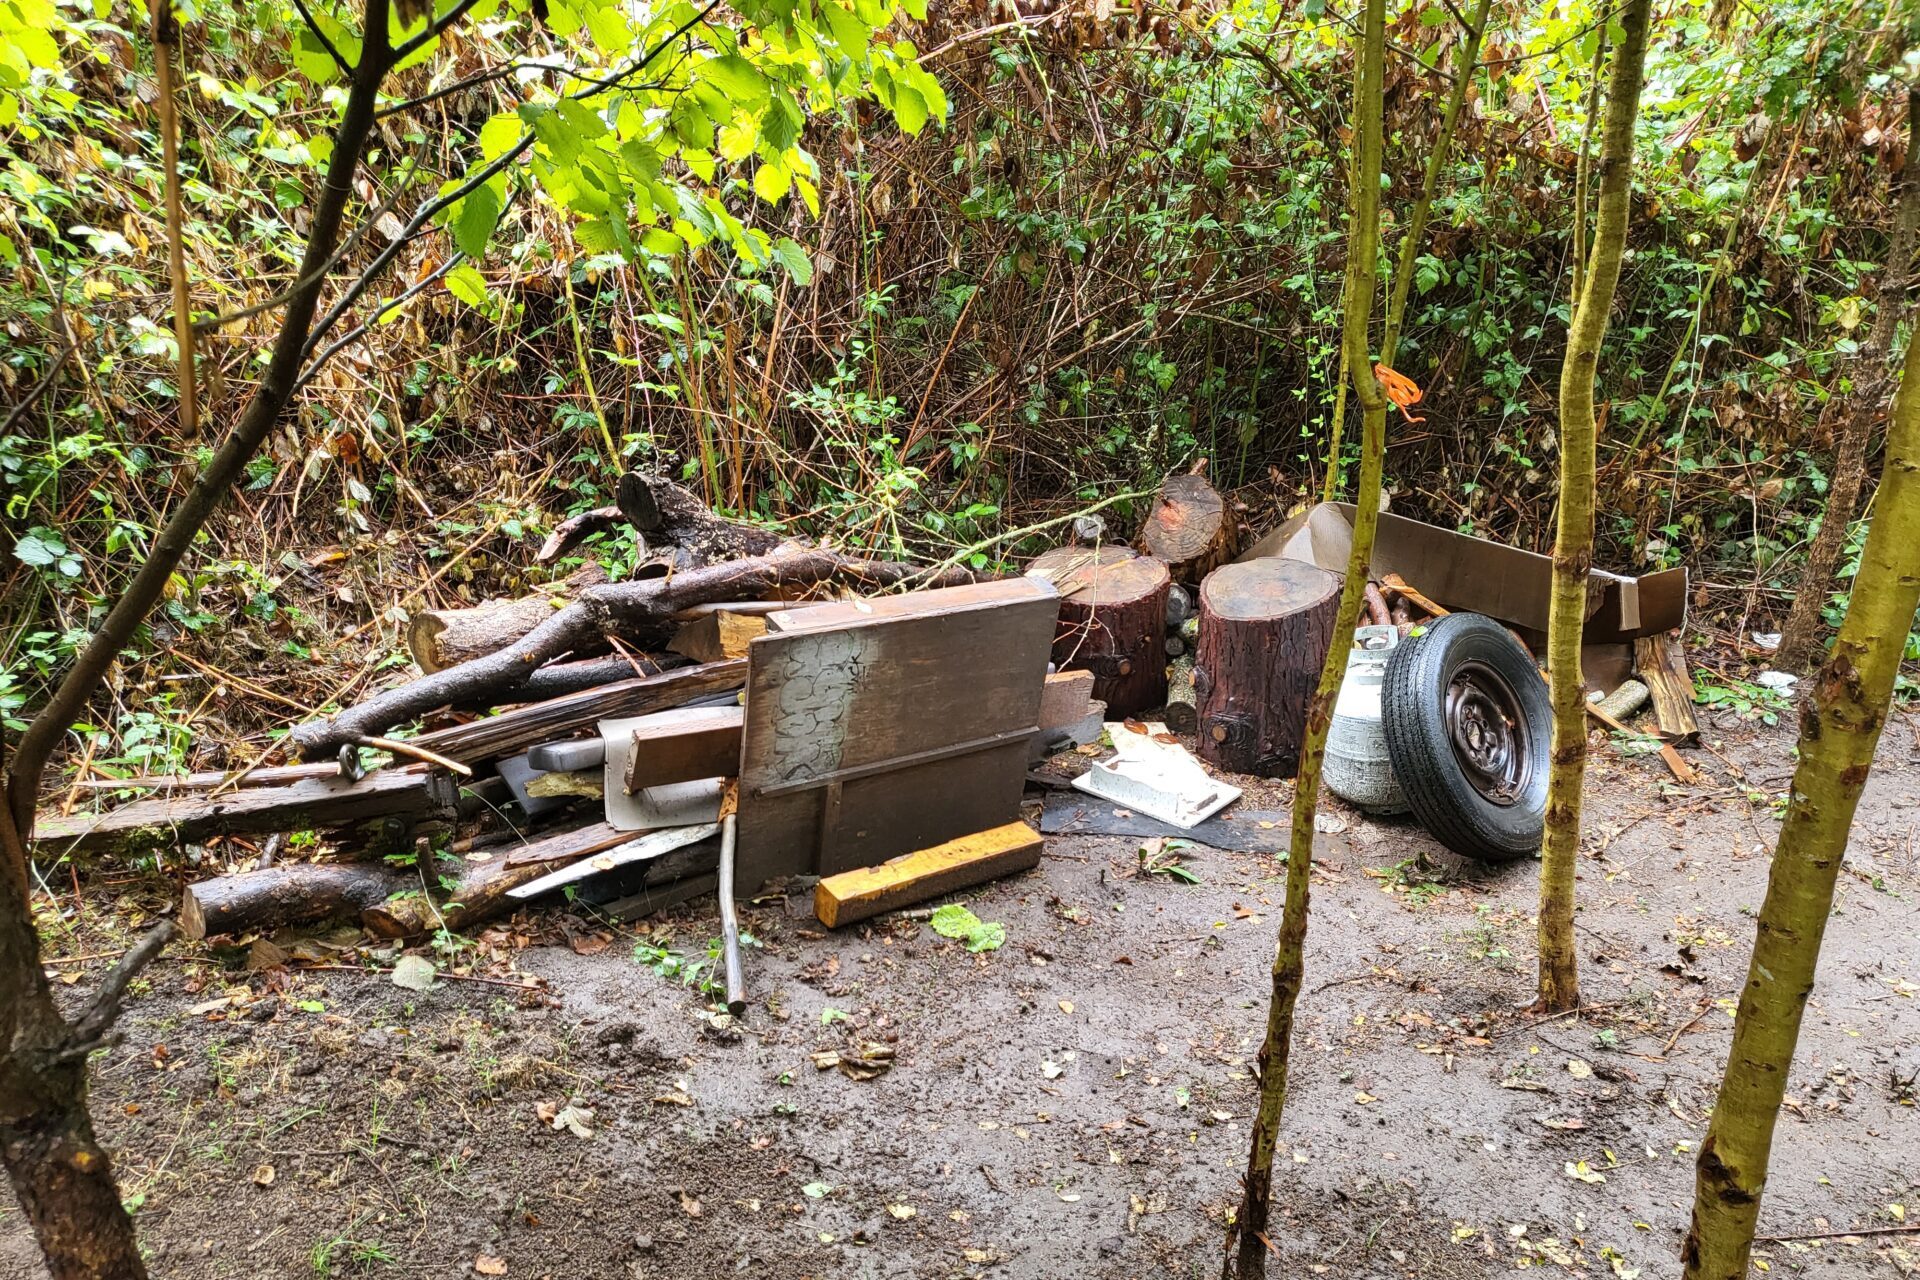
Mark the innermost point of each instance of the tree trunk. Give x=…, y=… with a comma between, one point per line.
x=442, y=638
x=1799, y=640
x=1113, y=617
x=288, y=893
x=1573, y=541
x=671, y=517
x=1289, y=956
x=1191, y=529
x=61, y=1176
x=1466, y=61
x=1264, y=631
x=1839, y=732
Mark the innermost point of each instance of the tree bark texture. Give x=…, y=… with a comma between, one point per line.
x=442, y=638
x=1113, y=620
x=1265, y=627
x=284, y=894
x=1289, y=956
x=1839, y=732
x=1799, y=639
x=1559, y=980
x=1190, y=528
x=62, y=1177
x=671, y=517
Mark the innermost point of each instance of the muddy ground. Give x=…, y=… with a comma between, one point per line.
x=1074, y=1103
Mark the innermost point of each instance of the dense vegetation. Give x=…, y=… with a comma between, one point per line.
x=1121, y=251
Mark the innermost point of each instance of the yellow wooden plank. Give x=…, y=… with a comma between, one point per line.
x=926, y=873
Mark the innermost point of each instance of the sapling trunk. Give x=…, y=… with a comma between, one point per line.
x=1289, y=958
x=1573, y=540
x=1466, y=59
x=1799, y=639
x=1839, y=730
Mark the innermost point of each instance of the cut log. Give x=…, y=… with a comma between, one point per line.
x=685, y=746
x=926, y=873
x=1191, y=528
x=1264, y=630
x=1377, y=612
x=408, y=794
x=1113, y=613
x=514, y=731
x=290, y=893
x=715, y=637
x=1663, y=666
x=1064, y=699
x=442, y=638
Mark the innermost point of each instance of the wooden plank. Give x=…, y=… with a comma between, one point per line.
x=514, y=731
x=1676, y=765
x=685, y=745
x=652, y=845
x=926, y=873
x=160, y=822
x=577, y=843
x=1663, y=668
x=876, y=727
x=715, y=637
x=267, y=776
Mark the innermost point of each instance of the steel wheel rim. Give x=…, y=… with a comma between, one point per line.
x=1489, y=735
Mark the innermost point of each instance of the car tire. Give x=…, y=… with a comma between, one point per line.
x=1468, y=728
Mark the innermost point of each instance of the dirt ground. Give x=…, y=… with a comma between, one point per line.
x=1074, y=1103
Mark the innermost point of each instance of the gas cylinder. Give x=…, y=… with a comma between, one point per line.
x=1357, y=768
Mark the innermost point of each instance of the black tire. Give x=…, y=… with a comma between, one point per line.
x=1485, y=794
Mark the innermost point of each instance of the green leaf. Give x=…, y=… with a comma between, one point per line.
x=737, y=78
x=474, y=219
x=909, y=108
x=953, y=921
x=500, y=134
x=39, y=549
x=780, y=122
x=988, y=937
x=771, y=182
x=797, y=261
x=467, y=284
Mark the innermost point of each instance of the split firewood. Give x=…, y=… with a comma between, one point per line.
x=611, y=608
x=1191, y=528
x=442, y=638
x=1377, y=610
x=714, y=637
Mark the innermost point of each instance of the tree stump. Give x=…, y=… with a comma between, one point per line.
x=1113, y=620
x=1264, y=630
x=1190, y=528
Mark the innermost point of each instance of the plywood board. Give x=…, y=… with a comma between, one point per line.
x=876, y=727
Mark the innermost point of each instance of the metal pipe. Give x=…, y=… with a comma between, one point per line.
x=730, y=921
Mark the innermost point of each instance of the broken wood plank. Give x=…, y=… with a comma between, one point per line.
x=1676, y=765
x=926, y=873
x=1663, y=668
x=211, y=780
x=652, y=845
x=290, y=893
x=685, y=745
x=715, y=637
x=577, y=843
x=514, y=731
x=1412, y=596
x=160, y=822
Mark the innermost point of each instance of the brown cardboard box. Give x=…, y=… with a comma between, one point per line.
x=1477, y=576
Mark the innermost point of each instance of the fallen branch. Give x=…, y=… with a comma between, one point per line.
x=92, y=1028
x=290, y=893
x=599, y=611
x=574, y=530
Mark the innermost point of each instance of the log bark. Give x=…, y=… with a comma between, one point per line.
x=1113, y=614
x=290, y=893
x=563, y=678
x=442, y=638
x=612, y=608
x=670, y=516
x=1190, y=528
x=574, y=530
x=1265, y=628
